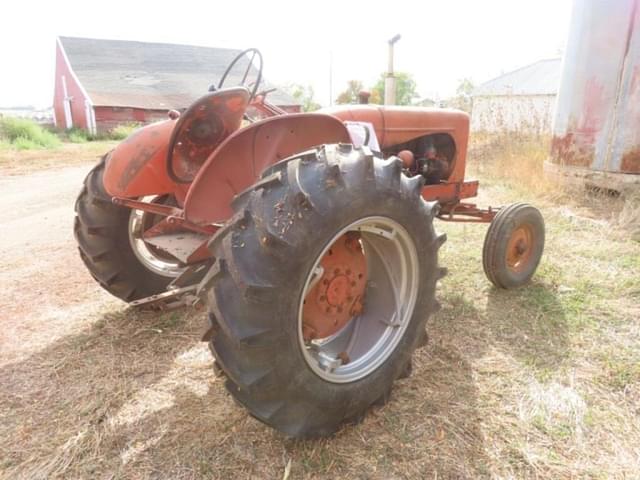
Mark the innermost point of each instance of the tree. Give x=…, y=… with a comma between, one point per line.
x=350, y=95
x=405, y=89
x=304, y=95
x=462, y=100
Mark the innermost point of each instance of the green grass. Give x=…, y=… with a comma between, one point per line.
x=621, y=368
x=77, y=135
x=25, y=143
x=24, y=134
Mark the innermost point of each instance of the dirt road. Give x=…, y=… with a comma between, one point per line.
x=47, y=292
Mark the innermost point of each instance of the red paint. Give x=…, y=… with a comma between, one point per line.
x=394, y=125
x=450, y=192
x=137, y=166
x=74, y=90
x=338, y=294
x=237, y=163
x=204, y=126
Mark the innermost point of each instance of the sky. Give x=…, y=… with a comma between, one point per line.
x=442, y=41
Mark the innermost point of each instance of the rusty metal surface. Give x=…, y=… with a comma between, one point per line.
x=520, y=248
x=467, y=213
x=169, y=300
x=597, y=123
x=199, y=130
x=155, y=208
x=338, y=293
x=238, y=161
x=631, y=161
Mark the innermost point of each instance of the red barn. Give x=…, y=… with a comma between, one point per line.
x=100, y=84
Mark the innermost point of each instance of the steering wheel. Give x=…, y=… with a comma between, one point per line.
x=213, y=126
x=254, y=52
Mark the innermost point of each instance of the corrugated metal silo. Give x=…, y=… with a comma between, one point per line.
x=597, y=121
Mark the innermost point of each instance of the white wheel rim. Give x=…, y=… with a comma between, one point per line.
x=148, y=256
x=370, y=338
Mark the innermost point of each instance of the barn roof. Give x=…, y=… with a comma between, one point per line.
x=151, y=75
x=539, y=78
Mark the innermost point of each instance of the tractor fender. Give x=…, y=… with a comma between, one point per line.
x=238, y=162
x=137, y=166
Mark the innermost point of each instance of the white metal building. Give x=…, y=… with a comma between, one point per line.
x=519, y=101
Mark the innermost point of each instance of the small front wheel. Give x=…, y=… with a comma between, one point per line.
x=513, y=245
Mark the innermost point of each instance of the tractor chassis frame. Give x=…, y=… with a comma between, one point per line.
x=451, y=210
x=463, y=212
x=179, y=295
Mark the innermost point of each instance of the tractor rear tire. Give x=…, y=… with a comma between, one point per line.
x=513, y=245
x=101, y=230
x=265, y=257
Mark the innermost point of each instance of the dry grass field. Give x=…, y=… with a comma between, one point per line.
x=539, y=382
x=20, y=162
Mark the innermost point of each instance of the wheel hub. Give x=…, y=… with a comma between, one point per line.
x=338, y=291
x=519, y=248
x=372, y=260
x=337, y=295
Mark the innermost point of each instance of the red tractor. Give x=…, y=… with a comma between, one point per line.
x=310, y=236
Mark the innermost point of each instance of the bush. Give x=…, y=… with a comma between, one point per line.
x=26, y=134
x=123, y=131
x=24, y=143
x=77, y=135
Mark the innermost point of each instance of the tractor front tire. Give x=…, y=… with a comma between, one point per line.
x=513, y=245
x=266, y=257
x=101, y=230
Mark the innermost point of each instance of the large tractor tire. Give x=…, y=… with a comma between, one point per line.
x=513, y=245
x=324, y=280
x=110, y=246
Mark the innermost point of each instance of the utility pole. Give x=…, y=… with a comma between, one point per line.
x=390, y=80
x=330, y=77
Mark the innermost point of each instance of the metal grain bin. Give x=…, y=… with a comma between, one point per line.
x=596, y=130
